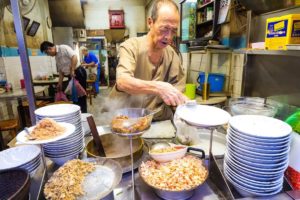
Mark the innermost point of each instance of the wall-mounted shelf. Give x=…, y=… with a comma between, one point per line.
x=205, y=23
x=205, y=5
x=270, y=52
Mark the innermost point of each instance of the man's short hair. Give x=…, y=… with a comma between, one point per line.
x=156, y=6
x=45, y=45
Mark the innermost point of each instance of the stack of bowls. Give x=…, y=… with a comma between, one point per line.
x=257, y=154
x=14, y=184
x=27, y=157
x=68, y=148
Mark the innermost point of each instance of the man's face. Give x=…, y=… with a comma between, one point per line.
x=85, y=52
x=165, y=27
x=51, y=51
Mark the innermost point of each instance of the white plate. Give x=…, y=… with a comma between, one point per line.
x=21, y=137
x=253, y=166
x=17, y=156
x=263, y=184
x=250, y=151
x=57, y=110
x=260, y=126
x=257, y=149
x=202, y=115
x=275, y=144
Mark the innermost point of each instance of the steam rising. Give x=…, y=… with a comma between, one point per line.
x=105, y=111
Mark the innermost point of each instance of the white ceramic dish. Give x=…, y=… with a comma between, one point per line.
x=260, y=139
x=202, y=115
x=57, y=110
x=168, y=156
x=251, y=166
x=258, y=163
x=266, y=184
x=246, y=192
x=257, y=149
x=17, y=156
x=271, y=145
x=260, y=126
x=266, y=174
x=254, y=177
x=21, y=137
x=262, y=154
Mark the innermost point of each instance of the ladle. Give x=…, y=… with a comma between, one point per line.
x=96, y=137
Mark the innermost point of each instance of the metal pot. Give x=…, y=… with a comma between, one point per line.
x=179, y=195
x=117, y=148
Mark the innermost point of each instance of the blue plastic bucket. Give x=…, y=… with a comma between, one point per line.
x=216, y=81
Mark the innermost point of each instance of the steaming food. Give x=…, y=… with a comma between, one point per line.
x=46, y=129
x=181, y=174
x=66, y=182
x=124, y=124
x=167, y=149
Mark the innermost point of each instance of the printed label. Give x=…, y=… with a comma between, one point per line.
x=277, y=29
x=296, y=28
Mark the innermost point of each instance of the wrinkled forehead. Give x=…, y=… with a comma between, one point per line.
x=168, y=14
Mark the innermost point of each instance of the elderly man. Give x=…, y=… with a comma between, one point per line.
x=149, y=73
x=66, y=62
x=91, y=63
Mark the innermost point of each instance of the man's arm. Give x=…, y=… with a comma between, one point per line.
x=168, y=93
x=92, y=64
x=73, y=65
x=60, y=81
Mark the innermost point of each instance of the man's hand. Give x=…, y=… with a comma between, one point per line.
x=170, y=95
x=59, y=87
x=72, y=74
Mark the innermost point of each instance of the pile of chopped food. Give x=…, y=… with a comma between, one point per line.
x=66, y=182
x=46, y=129
x=167, y=149
x=124, y=124
x=177, y=175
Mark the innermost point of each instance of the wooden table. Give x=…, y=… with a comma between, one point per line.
x=19, y=95
x=49, y=83
x=211, y=100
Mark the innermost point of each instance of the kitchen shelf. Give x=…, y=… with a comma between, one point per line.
x=205, y=23
x=205, y=5
x=293, y=53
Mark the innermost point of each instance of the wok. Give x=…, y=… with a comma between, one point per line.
x=178, y=195
x=117, y=148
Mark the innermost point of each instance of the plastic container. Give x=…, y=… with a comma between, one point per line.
x=251, y=106
x=216, y=81
x=281, y=31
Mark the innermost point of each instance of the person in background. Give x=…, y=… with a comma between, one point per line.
x=66, y=63
x=90, y=62
x=150, y=73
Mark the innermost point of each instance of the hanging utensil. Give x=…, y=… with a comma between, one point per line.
x=96, y=137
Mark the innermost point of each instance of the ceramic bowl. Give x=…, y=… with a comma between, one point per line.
x=168, y=156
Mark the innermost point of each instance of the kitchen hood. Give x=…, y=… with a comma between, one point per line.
x=264, y=6
x=66, y=13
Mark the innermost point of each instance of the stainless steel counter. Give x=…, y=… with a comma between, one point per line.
x=123, y=191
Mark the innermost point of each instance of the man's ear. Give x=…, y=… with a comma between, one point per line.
x=149, y=22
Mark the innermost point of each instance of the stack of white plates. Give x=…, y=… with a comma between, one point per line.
x=68, y=148
x=26, y=157
x=257, y=154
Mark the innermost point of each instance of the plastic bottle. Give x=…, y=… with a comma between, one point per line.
x=209, y=13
